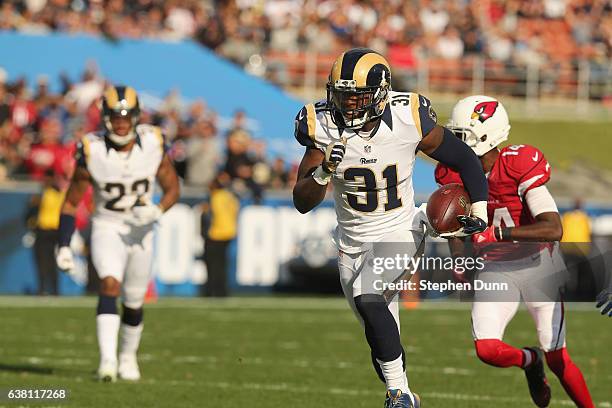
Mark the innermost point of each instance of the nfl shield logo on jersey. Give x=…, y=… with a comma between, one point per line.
x=367, y=149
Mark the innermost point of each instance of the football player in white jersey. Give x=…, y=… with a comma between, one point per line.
x=364, y=139
x=123, y=163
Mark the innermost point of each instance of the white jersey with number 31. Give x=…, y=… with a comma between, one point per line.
x=121, y=180
x=373, y=190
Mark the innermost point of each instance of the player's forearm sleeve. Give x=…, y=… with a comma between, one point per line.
x=456, y=154
x=66, y=228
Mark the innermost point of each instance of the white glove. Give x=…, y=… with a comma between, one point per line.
x=145, y=214
x=64, y=259
x=475, y=223
x=334, y=153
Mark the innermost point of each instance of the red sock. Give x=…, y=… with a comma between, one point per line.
x=570, y=376
x=499, y=354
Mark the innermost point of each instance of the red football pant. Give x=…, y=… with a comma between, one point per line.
x=570, y=376
x=499, y=354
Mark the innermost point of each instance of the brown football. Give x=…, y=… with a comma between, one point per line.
x=445, y=204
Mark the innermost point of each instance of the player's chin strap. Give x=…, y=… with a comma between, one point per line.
x=122, y=140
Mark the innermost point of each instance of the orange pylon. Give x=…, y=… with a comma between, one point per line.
x=151, y=295
x=410, y=299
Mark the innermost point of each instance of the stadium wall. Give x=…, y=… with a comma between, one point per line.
x=271, y=238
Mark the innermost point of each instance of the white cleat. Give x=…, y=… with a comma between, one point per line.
x=128, y=368
x=107, y=372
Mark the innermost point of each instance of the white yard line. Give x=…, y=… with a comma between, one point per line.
x=354, y=392
x=256, y=361
x=301, y=389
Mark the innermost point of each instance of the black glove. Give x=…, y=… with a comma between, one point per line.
x=472, y=225
x=469, y=225
x=604, y=301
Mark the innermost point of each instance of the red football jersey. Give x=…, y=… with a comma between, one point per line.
x=518, y=169
x=43, y=157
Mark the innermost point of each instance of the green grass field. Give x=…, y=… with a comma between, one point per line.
x=564, y=142
x=276, y=352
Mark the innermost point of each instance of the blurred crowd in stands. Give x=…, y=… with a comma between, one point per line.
x=39, y=130
x=549, y=33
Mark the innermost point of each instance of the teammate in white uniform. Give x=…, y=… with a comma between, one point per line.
x=123, y=163
x=364, y=139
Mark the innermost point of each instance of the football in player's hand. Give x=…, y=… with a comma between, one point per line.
x=445, y=204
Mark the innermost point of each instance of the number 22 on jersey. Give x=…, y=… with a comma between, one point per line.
x=118, y=193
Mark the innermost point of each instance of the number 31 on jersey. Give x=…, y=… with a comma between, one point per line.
x=368, y=186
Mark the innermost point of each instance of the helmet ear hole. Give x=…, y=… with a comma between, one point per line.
x=483, y=138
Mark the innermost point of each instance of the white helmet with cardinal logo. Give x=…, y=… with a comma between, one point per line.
x=481, y=122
